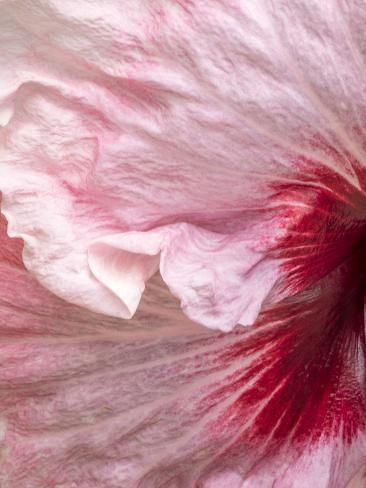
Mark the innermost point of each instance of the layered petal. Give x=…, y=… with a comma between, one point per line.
x=90, y=401
x=159, y=117
x=223, y=144
x=209, y=272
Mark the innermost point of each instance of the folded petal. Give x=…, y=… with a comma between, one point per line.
x=222, y=144
x=211, y=273
x=89, y=401
x=156, y=117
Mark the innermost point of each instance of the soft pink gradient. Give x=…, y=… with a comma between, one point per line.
x=195, y=167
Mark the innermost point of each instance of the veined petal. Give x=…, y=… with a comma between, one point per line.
x=223, y=144
x=167, y=116
x=89, y=401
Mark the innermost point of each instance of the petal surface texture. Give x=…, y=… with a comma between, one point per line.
x=158, y=401
x=176, y=164
x=179, y=122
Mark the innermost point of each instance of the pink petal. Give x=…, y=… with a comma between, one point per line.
x=171, y=119
x=223, y=144
x=90, y=401
x=204, y=269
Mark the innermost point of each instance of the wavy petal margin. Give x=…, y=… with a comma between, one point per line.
x=222, y=144
x=88, y=401
x=183, y=120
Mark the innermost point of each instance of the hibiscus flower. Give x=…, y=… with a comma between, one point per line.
x=214, y=153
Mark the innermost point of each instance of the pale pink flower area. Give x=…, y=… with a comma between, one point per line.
x=183, y=243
